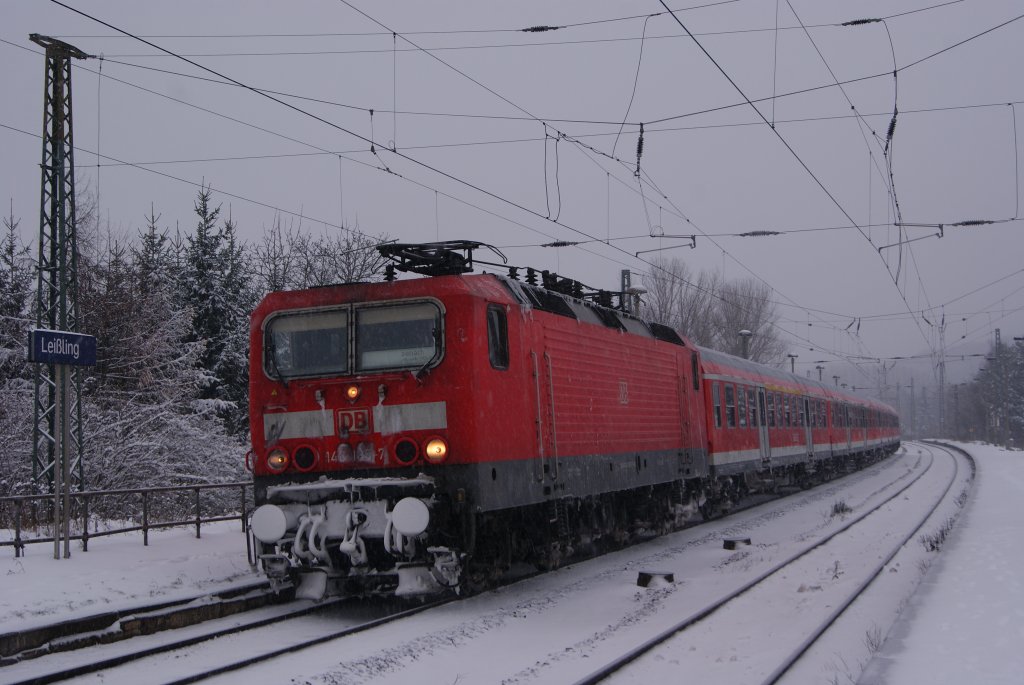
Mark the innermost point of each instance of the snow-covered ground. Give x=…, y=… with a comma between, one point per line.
x=966, y=625
x=118, y=572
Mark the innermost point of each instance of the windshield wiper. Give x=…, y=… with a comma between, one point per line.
x=272, y=349
x=419, y=372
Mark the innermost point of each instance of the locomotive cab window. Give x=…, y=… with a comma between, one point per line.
x=397, y=336
x=497, y=336
x=306, y=344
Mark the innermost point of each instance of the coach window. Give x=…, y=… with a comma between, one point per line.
x=803, y=418
x=771, y=409
x=695, y=371
x=730, y=405
x=497, y=336
x=753, y=408
x=741, y=401
x=716, y=395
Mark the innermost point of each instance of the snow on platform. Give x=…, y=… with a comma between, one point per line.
x=965, y=624
x=118, y=572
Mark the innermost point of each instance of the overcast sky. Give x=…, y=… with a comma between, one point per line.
x=517, y=139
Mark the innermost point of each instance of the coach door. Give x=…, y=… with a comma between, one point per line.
x=762, y=427
x=849, y=429
x=808, y=425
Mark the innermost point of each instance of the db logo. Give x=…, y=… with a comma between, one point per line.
x=353, y=421
x=623, y=393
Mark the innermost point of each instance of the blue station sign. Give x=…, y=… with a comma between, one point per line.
x=61, y=347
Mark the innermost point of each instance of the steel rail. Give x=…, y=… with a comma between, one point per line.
x=312, y=642
x=121, y=659
x=662, y=637
x=22, y=645
x=816, y=635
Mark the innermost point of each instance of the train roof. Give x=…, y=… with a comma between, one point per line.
x=563, y=302
x=720, y=363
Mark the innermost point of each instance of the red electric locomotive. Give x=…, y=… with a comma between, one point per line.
x=413, y=436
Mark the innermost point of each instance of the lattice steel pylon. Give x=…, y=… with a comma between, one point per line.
x=57, y=286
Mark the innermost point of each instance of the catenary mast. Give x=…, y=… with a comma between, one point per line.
x=57, y=286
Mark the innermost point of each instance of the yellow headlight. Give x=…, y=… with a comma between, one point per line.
x=352, y=392
x=277, y=460
x=436, y=450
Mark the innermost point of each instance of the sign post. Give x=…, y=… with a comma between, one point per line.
x=61, y=349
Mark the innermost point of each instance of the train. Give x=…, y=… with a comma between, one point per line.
x=424, y=435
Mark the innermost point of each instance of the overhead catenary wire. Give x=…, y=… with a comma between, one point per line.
x=792, y=151
x=649, y=124
x=1016, y=161
x=297, y=214
x=632, y=96
x=247, y=157
x=488, y=89
x=857, y=115
x=370, y=141
x=534, y=29
x=351, y=34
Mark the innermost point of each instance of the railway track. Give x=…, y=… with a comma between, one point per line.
x=498, y=629
x=253, y=637
x=628, y=666
x=142, y=619
x=293, y=626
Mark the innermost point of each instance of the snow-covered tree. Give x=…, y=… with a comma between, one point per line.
x=746, y=304
x=139, y=421
x=232, y=366
x=287, y=259
x=15, y=298
x=16, y=393
x=712, y=311
x=217, y=290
